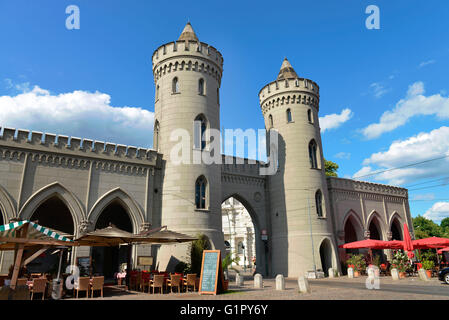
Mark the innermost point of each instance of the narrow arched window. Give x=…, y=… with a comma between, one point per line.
x=313, y=154
x=200, y=192
x=157, y=92
x=289, y=115
x=319, y=203
x=199, y=132
x=309, y=116
x=218, y=95
x=201, y=87
x=270, y=121
x=175, y=85
x=156, y=136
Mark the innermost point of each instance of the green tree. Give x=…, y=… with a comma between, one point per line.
x=445, y=225
x=196, y=253
x=425, y=228
x=331, y=168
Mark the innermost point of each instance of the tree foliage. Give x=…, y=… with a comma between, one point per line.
x=331, y=168
x=425, y=228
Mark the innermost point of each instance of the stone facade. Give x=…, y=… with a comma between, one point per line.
x=299, y=216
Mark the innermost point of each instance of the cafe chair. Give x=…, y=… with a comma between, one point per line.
x=21, y=282
x=82, y=284
x=190, y=281
x=145, y=283
x=38, y=286
x=97, y=284
x=174, y=281
x=158, y=282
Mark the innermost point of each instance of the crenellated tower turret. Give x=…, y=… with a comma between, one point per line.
x=187, y=75
x=301, y=228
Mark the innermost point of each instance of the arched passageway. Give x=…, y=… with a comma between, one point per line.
x=239, y=233
x=350, y=235
x=326, y=256
x=396, y=233
x=107, y=261
x=53, y=213
x=375, y=233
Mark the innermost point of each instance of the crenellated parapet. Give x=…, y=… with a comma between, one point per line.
x=74, y=152
x=368, y=188
x=187, y=55
x=289, y=91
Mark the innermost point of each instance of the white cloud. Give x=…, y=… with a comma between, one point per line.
x=418, y=148
x=438, y=212
x=379, y=89
x=78, y=113
x=414, y=104
x=343, y=155
x=426, y=63
x=334, y=120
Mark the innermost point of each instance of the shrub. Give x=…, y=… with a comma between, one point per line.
x=428, y=264
x=196, y=252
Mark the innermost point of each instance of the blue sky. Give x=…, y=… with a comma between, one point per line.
x=392, y=82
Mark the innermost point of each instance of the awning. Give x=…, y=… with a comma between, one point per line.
x=36, y=235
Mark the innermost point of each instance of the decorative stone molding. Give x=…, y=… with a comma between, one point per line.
x=366, y=234
x=389, y=235
x=369, y=190
x=242, y=179
x=84, y=226
x=145, y=226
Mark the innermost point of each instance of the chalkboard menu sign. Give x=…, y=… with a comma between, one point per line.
x=84, y=265
x=211, y=280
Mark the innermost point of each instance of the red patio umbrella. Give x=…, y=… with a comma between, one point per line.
x=443, y=250
x=372, y=244
x=431, y=243
x=408, y=244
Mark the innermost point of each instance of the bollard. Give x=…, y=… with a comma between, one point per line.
x=280, y=282
x=423, y=274
x=303, y=284
x=350, y=273
x=331, y=273
x=394, y=274
x=239, y=281
x=258, y=281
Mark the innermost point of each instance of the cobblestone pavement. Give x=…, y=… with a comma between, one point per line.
x=340, y=288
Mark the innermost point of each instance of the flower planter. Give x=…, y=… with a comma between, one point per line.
x=356, y=274
x=401, y=275
x=429, y=273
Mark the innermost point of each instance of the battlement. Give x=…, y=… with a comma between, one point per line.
x=279, y=87
x=49, y=142
x=367, y=187
x=187, y=48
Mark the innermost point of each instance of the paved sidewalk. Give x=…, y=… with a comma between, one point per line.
x=340, y=288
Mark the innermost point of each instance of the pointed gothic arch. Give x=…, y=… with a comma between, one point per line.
x=7, y=206
x=129, y=204
x=55, y=189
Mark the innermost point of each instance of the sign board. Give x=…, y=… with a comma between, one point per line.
x=84, y=264
x=264, y=234
x=211, y=280
x=145, y=260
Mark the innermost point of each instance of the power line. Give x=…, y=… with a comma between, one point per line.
x=428, y=187
x=417, y=184
x=406, y=166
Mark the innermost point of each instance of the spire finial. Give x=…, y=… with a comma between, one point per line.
x=188, y=33
x=287, y=70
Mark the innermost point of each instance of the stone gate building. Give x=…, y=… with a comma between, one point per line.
x=75, y=185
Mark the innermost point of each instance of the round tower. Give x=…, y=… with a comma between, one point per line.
x=187, y=75
x=301, y=237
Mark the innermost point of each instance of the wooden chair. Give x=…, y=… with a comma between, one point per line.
x=36, y=275
x=190, y=281
x=145, y=283
x=158, y=282
x=39, y=285
x=83, y=284
x=97, y=284
x=21, y=282
x=175, y=281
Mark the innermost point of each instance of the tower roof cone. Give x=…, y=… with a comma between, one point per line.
x=188, y=33
x=286, y=71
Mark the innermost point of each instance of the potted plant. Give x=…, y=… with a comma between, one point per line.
x=226, y=263
x=428, y=266
x=357, y=262
x=400, y=262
